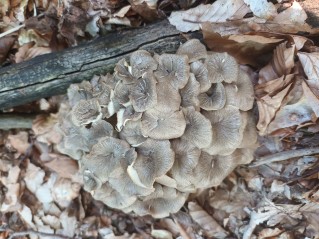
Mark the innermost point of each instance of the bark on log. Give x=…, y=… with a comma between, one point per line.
x=51, y=74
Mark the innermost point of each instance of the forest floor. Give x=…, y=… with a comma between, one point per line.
x=275, y=196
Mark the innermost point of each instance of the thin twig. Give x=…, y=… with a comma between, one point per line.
x=40, y=234
x=15, y=121
x=284, y=156
x=17, y=28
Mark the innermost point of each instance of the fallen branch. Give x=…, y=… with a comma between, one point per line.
x=51, y=74
x=16, y=121
x=284, y=156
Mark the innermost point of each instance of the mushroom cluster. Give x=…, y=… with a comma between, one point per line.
x=160, y=127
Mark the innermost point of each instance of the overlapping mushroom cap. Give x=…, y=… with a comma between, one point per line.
x=159, y=128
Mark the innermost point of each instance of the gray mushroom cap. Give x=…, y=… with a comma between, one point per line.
x=163, y=125
x=194, y=49
x=214, y=98
x=125, y=115
x=141, y=61
x=226, y=126
x=107, y=155
x=168, y=98
x=201, y=74
x=198, y=129
x=86, y=112
x=240, y=93
x=132, y=133
x=143, y=94
x=222, y=68
x=154, y=159
x=77, y=92
x=186, y=159
x=174, y=68
x=122, y=72
x=112, y=198
x=170, y=202
x=190, y=93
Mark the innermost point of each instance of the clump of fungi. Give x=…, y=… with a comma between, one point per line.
x=160, y=128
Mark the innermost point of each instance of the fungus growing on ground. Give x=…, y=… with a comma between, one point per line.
x=159, y=128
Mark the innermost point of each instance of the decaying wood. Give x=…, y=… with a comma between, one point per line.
x=16, y=121
x=51, y=74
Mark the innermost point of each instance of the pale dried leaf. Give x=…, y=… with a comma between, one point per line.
x=312, y=99
x=293, y=15
x=310, y=63
x=269, y=232
x=207, y=222
x=268, y=106
x=219, y=11
x=262, y=8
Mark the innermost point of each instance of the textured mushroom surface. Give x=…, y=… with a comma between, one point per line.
x=159, y=128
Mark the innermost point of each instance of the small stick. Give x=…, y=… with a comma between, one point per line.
x=40, y=234
x=16, y=121
x=284, y=156
x=17, y=28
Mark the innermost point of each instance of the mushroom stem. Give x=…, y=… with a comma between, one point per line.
x=284, y=156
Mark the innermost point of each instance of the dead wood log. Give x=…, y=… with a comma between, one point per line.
x=51, y=74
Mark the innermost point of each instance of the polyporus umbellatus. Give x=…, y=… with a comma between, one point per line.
x=160, y=127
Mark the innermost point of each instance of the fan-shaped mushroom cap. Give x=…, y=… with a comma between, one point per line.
x=168, y=98
x=222, y=68
x=107, y=155
x=226, y=125
x=201, y=74
x=98, y=129
x=91, y=182
x=123, y=183
x=141, y=61
x=241, y=93
x=77, y=92
x=190, y=93
x=163, y=125
x=112, y=197
x=198, y=129
x=186, y=159
x=122, y=93
x=154, y=159
x=194, y=49
x=86, y=112
x=214, y=98
x=174, y=68
x=143, y=94
x=125, y=115
x=132, y=133
x=103, y=88
x=212, y=169
x=170, y=202
x=122, y=72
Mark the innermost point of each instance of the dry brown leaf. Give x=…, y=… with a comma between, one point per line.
x=310, y=64
x=281, y=63
x=161, y=234
x=292, y=15
x=267, y=107
x=5, y=46
x=269, y=232
x=43, y=127
x=63, y=166
x=219, y=11
x=207, y=222
x=20, y=141
x=255, y=49
x=291, y=115
x=312, y=99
